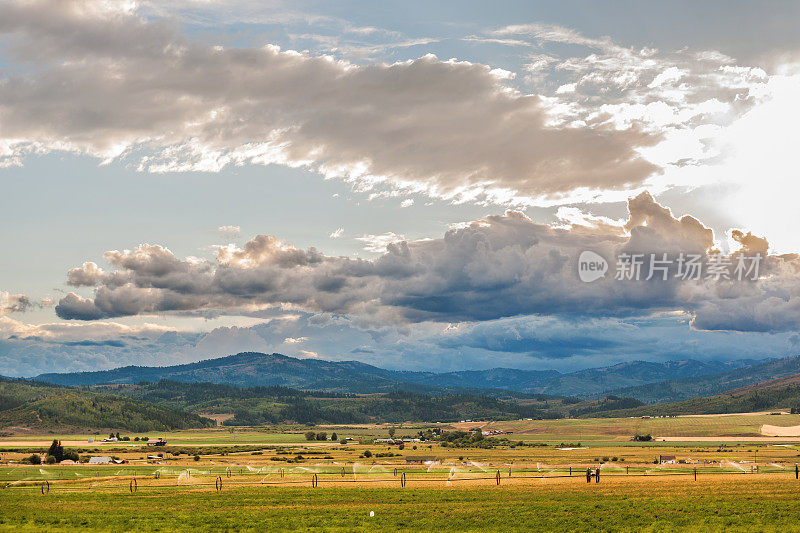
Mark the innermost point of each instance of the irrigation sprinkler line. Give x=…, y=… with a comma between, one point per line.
x=133, y=486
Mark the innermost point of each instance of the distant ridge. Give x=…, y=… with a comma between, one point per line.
x=700, y=386
x=249, y=369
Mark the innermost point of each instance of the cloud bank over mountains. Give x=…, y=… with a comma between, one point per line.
x=493, y=268
x=499, y=291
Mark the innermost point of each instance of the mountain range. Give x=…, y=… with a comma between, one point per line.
x=634, y=379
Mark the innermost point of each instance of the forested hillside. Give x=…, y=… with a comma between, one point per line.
x=37, y=406
x=270, y=405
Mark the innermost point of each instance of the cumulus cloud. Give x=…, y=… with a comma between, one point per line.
x=13, y=303
x=499, y=266
x=451, y=129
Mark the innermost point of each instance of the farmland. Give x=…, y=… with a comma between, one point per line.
x=273, y=478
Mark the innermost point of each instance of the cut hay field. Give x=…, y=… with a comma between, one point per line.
x=740, y=426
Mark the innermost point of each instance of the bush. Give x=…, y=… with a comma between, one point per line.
x=333, y=436
x=343, y=441
x=366, y=453
x=51, y=460
x=322, y=436
x=310, y=435
x=401, y=447
x=34, y=459
x=196, y=457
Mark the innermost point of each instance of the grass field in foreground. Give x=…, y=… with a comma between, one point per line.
x=725, y=503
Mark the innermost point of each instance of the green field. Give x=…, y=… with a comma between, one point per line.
x=736, y=504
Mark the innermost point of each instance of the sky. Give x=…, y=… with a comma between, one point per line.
x=407, y=184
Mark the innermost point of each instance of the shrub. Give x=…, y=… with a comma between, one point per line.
x=310, y=435
x=34, y=459
x=343, y=441
x=196, y=457
x=322, y=436
x=333, y=436
x=367, y=453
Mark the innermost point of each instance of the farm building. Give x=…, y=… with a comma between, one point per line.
x=157, y=442
x=100, y=460
x=419, y=459
x=667, y=459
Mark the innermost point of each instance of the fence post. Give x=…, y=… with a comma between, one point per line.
x=403, y=480
x=570, y=471
x=626, y=470
x=695, y=473
x=588, y=475
x=218, y=483
x=498, y=477
x=796, y=472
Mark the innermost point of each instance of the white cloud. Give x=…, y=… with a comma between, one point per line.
x=449, y=129
x=229, y=232
x=336, y=234
x=378, y=243
x=408, y=202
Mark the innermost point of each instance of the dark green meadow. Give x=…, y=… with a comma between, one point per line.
x=743, y=503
